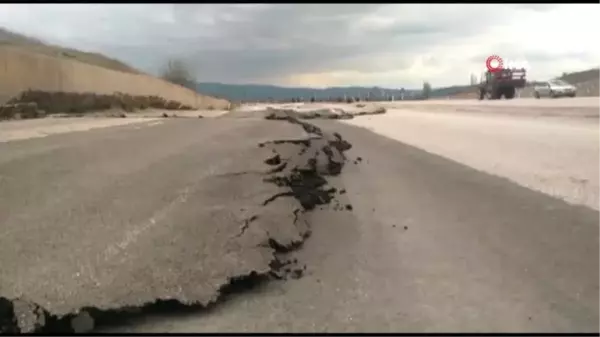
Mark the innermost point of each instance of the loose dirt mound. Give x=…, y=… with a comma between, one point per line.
x=292, y=182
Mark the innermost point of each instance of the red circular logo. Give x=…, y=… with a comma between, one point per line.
x=494, y=63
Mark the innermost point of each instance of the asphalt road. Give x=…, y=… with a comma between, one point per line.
x=120, y=216
x=123, y=216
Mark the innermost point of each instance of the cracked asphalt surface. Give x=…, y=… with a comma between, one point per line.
x=122, y=226
x=125, y=215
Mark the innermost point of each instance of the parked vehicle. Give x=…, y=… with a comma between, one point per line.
x=554, y=88
x=502, y=83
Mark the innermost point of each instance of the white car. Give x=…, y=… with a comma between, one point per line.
x=554, y=88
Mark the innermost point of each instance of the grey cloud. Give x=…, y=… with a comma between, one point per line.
x=537, y=57
x=536, y=7
x=267, y=42
x=315, y=38
x=534, y=57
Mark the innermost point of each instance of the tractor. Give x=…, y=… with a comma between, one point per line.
x=501, y=83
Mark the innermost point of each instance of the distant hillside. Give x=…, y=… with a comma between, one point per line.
x=257, y=92
x=9, y=38
x=449, y=91
x=586, y=82
x=581, y=76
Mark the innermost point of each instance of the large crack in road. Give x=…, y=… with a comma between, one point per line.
x=298, y=168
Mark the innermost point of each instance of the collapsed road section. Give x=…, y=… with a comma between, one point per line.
x=221, y=234
x=323, y=113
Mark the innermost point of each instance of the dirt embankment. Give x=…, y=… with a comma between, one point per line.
x=21, y=70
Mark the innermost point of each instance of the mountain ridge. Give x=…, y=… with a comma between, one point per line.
x=260, y=92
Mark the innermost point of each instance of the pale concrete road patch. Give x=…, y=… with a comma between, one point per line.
x=36, y=128
x=555, y=156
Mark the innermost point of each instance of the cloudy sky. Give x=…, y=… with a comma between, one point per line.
x=319, y=45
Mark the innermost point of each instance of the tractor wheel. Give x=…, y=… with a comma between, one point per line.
x=509, y=93
x=496, y=94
